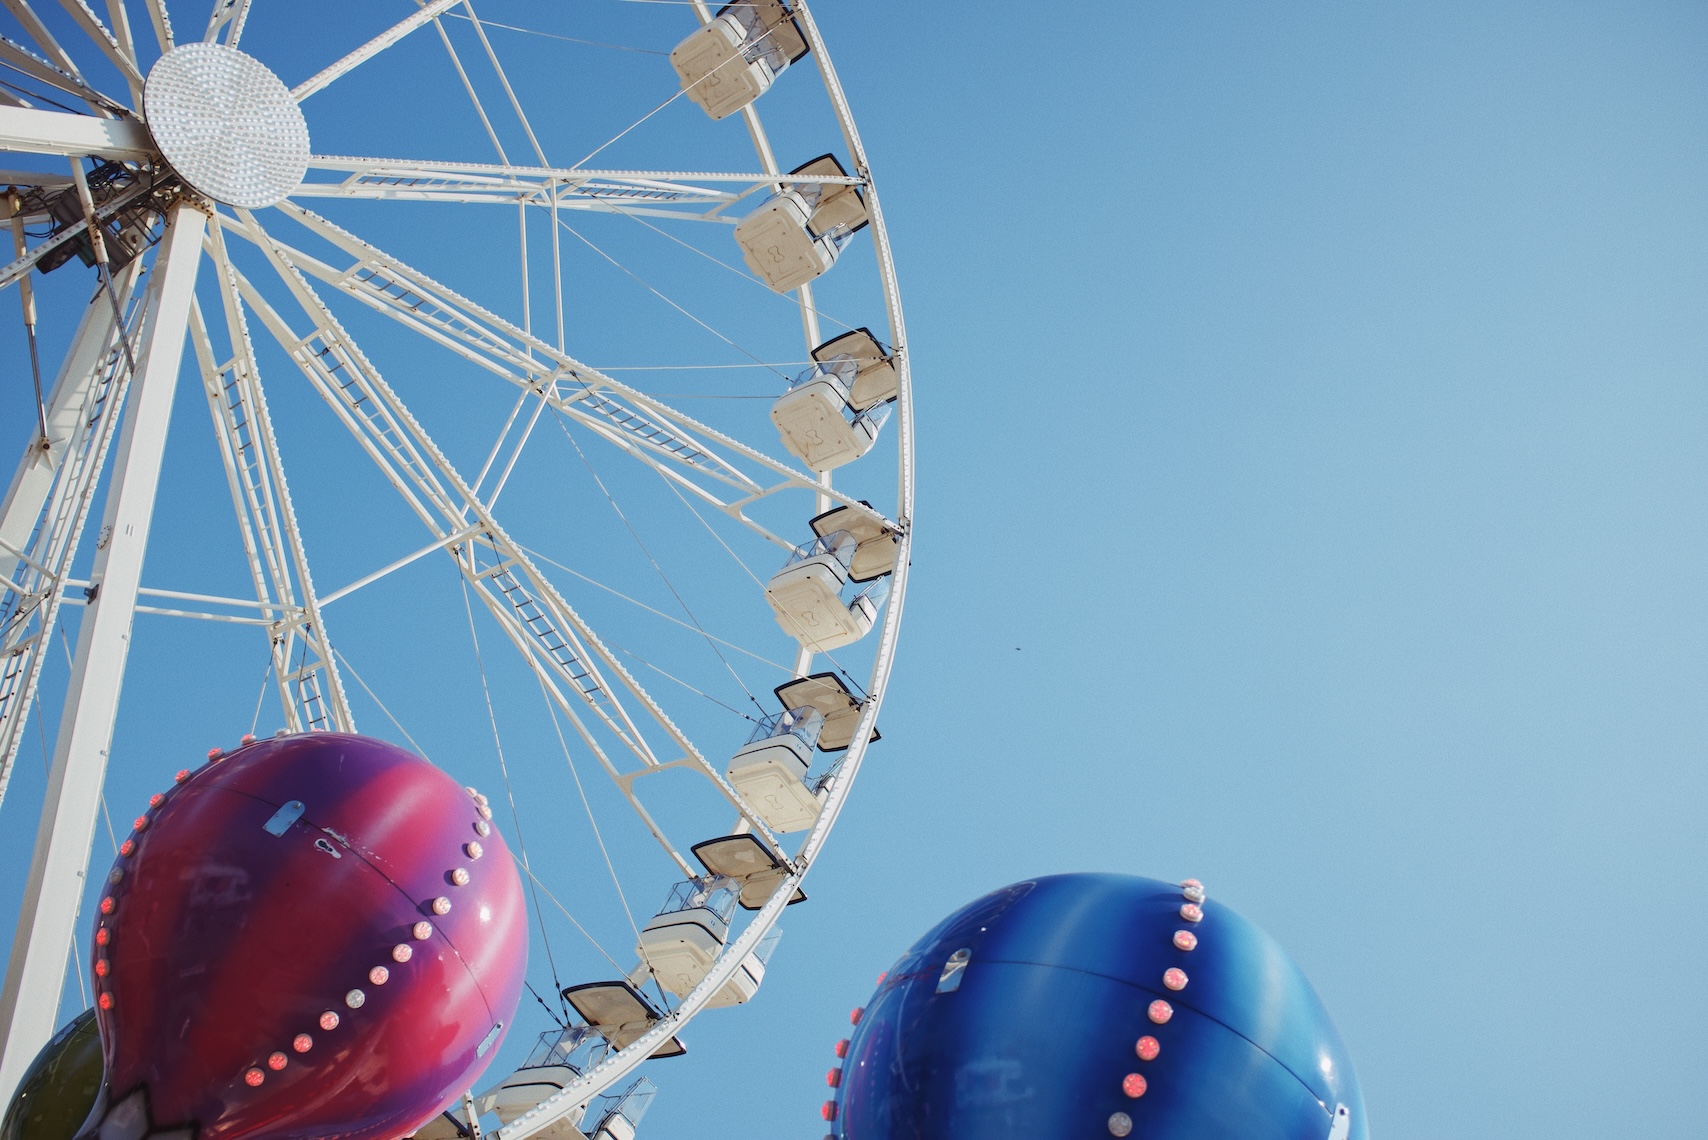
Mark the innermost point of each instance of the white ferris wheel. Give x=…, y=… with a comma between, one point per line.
x=637, y=415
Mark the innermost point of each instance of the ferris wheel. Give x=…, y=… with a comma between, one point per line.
x=643, y=416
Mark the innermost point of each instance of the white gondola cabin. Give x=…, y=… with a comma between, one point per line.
x=797, y=233
x=617, y=1116
x=679, y=945
x=682, y=940
x=832, y=412
x=818, y=421
x=827, y=693
x=735, y=58
x=771, y=769
x=875, y=379
x=806, y=595
x=558, y=1057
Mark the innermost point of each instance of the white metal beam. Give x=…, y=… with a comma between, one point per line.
x=57, y=132
x=569, y=175
x=230, y=13
x=30, y=608
x=125, y=60
x=162, y=23
x=312, y=693
x=372, y=48
x=14, y=56
x=35, y=974
x=37, y=470
x=45, y=40
x=117, y=13
x=645, y=193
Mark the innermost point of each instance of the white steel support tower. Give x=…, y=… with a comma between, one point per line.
x=35, y=972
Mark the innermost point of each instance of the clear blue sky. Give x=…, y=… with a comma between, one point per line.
x=1312, y=466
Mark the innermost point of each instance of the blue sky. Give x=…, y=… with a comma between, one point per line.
x=1311, y=433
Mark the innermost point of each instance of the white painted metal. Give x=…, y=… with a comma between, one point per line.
x=44, y=39
x=370, y=49
x=227, y=15
x=312, y=692
x=56, y=132
x=120, y=20
x=47, y=510
x=161, y=23
x=23, y=61
x=37, y=470
x=122, y=55
x=29, y=1002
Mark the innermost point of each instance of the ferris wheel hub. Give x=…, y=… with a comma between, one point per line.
x=226, y=124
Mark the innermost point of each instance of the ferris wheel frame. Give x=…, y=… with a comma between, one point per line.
x=125, y=361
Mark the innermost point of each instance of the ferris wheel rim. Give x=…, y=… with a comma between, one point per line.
x=615, y=1067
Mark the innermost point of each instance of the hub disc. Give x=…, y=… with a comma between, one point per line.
x=227, y=125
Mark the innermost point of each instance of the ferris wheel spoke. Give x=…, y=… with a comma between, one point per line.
x=311, y=691
x=45, y=39
x=228, y=16
x=47, y=509
x=468, y=88
x=370, y=49
x=685, y=450
x=503, y=79
x=116, y=47
x=54, y=75
x=119, y=16
x=680, y=194
x=162, y=25
x=529, y=607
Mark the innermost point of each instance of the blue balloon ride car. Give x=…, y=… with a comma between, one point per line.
x=1091, y=1006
